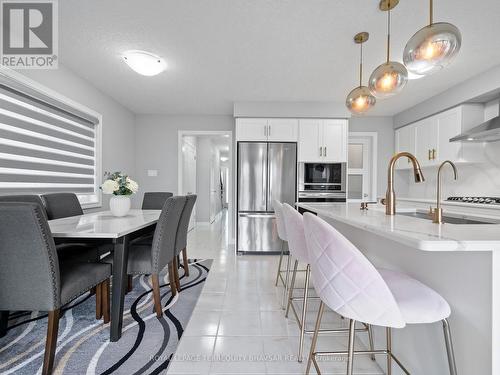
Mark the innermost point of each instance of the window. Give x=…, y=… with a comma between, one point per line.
x=46, y=144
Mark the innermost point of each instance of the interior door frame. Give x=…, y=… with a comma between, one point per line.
x=230, y=190
x=374, y=139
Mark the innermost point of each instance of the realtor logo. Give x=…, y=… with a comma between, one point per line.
x=29, y=34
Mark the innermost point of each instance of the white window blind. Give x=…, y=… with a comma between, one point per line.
x=45, y=145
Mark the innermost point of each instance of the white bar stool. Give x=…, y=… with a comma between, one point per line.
x=280, y=226
x=298, y=250
x=349, y=284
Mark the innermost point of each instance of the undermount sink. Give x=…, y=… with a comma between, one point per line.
x=448, y=218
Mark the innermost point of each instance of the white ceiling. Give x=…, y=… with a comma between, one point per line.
x=222, y=51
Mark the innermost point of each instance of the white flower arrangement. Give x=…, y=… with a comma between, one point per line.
x=118, y=183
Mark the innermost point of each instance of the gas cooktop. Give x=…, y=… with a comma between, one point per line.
x=481, y=200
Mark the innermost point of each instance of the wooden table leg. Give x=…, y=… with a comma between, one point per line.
x=4, y=322
x=120, y=259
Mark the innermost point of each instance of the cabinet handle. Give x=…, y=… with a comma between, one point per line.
x=325, y=150
x=320, y=151
x=433, y=154
x=430, y=154
x=269, y=130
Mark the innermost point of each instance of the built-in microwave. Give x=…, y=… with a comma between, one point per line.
x=322, y=177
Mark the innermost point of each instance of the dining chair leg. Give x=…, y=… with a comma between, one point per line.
x=449, y=347
x=130, y=283
x=279, y=266
x=287, y=276
x=304, y=312
x=185, y=261
x=51, y=342
x=98, y=302
x=350, y=353
x=171, y=278
x=4, y=322
x=176, y=274
x=292, y=285
x=311, y=359
x=388, y=333
x=156, y=295
x=105, y=300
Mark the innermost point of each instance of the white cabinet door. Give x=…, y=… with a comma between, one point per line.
x=334, y=141
x=309, y=140
x=450, y=124
x=427, y=141
x=405, y=141
x=283, y=130
x=251, y=129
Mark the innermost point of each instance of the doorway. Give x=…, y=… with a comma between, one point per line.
x=205, y=169
x=362, y=167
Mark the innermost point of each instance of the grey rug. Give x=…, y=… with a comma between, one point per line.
x=83, y=344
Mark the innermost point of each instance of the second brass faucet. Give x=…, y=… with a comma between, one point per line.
x=437, y=213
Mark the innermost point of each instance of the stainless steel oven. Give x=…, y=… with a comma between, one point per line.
x=322, y=177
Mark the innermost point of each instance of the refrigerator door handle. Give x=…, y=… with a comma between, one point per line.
x=257, y=216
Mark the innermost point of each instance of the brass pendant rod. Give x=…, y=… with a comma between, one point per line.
x=389, y=33
x=361, y=64
x=431, y=13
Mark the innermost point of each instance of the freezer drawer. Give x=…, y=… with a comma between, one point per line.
x=257, y=232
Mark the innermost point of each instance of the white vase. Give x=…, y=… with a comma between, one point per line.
x=119, y=205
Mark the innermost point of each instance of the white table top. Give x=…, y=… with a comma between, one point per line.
x=102, y=224
x=418, y=233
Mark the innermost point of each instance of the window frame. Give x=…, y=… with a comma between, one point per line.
x=87, y=201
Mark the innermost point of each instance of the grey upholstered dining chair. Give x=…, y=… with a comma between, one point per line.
x=150, y=258
x=182, y=231
x=25, y=198
x=154, y=200
x=60, y=205
x=33, y=278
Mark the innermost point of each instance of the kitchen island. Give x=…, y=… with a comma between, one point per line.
x=460, y=261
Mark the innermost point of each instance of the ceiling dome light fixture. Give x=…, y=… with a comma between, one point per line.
x=390, y=77
x=144, y=63
x=433, y=47
x=360, y=100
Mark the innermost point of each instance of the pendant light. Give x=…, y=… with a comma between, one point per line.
x=390, y=77
x=360, y=100
x=433, y=47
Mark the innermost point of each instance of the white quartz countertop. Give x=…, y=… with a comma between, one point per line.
x=415, y=232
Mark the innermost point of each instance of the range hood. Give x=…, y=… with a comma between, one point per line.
x=488, y=131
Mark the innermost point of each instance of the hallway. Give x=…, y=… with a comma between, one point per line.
x=238, y=325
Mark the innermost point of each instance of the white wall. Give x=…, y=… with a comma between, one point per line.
x=385, y=131
x=118, y=123
x=291, y=109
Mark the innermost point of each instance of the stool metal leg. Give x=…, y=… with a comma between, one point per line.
x=449, y=347
x=279, y=267
x=304, y=312
x=388, y=333
x=287, y=276
x=311, y=359
x=370, y=340
x=292, y=285
x=350, y=355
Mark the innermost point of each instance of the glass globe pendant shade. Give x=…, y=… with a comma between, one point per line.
x=432, y=48
x=360, y=100
x=388, y=79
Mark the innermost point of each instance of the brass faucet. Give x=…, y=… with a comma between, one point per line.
x=437, y=213
x=390, y=196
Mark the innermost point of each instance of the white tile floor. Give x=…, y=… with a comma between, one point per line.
x=238, y=325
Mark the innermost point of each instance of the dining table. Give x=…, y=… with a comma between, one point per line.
x=101, y=228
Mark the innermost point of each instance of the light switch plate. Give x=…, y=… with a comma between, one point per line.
x=152, y=172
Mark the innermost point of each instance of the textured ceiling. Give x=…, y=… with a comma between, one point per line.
x=222, y=51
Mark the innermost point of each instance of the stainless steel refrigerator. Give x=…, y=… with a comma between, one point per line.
x=266, y=171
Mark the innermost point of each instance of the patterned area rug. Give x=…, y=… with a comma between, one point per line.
x=83, y=344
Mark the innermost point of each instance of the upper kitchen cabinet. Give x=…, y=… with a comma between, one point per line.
x=322, y=140
x=429, y=139
x=405, y=141
x=262, y=129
